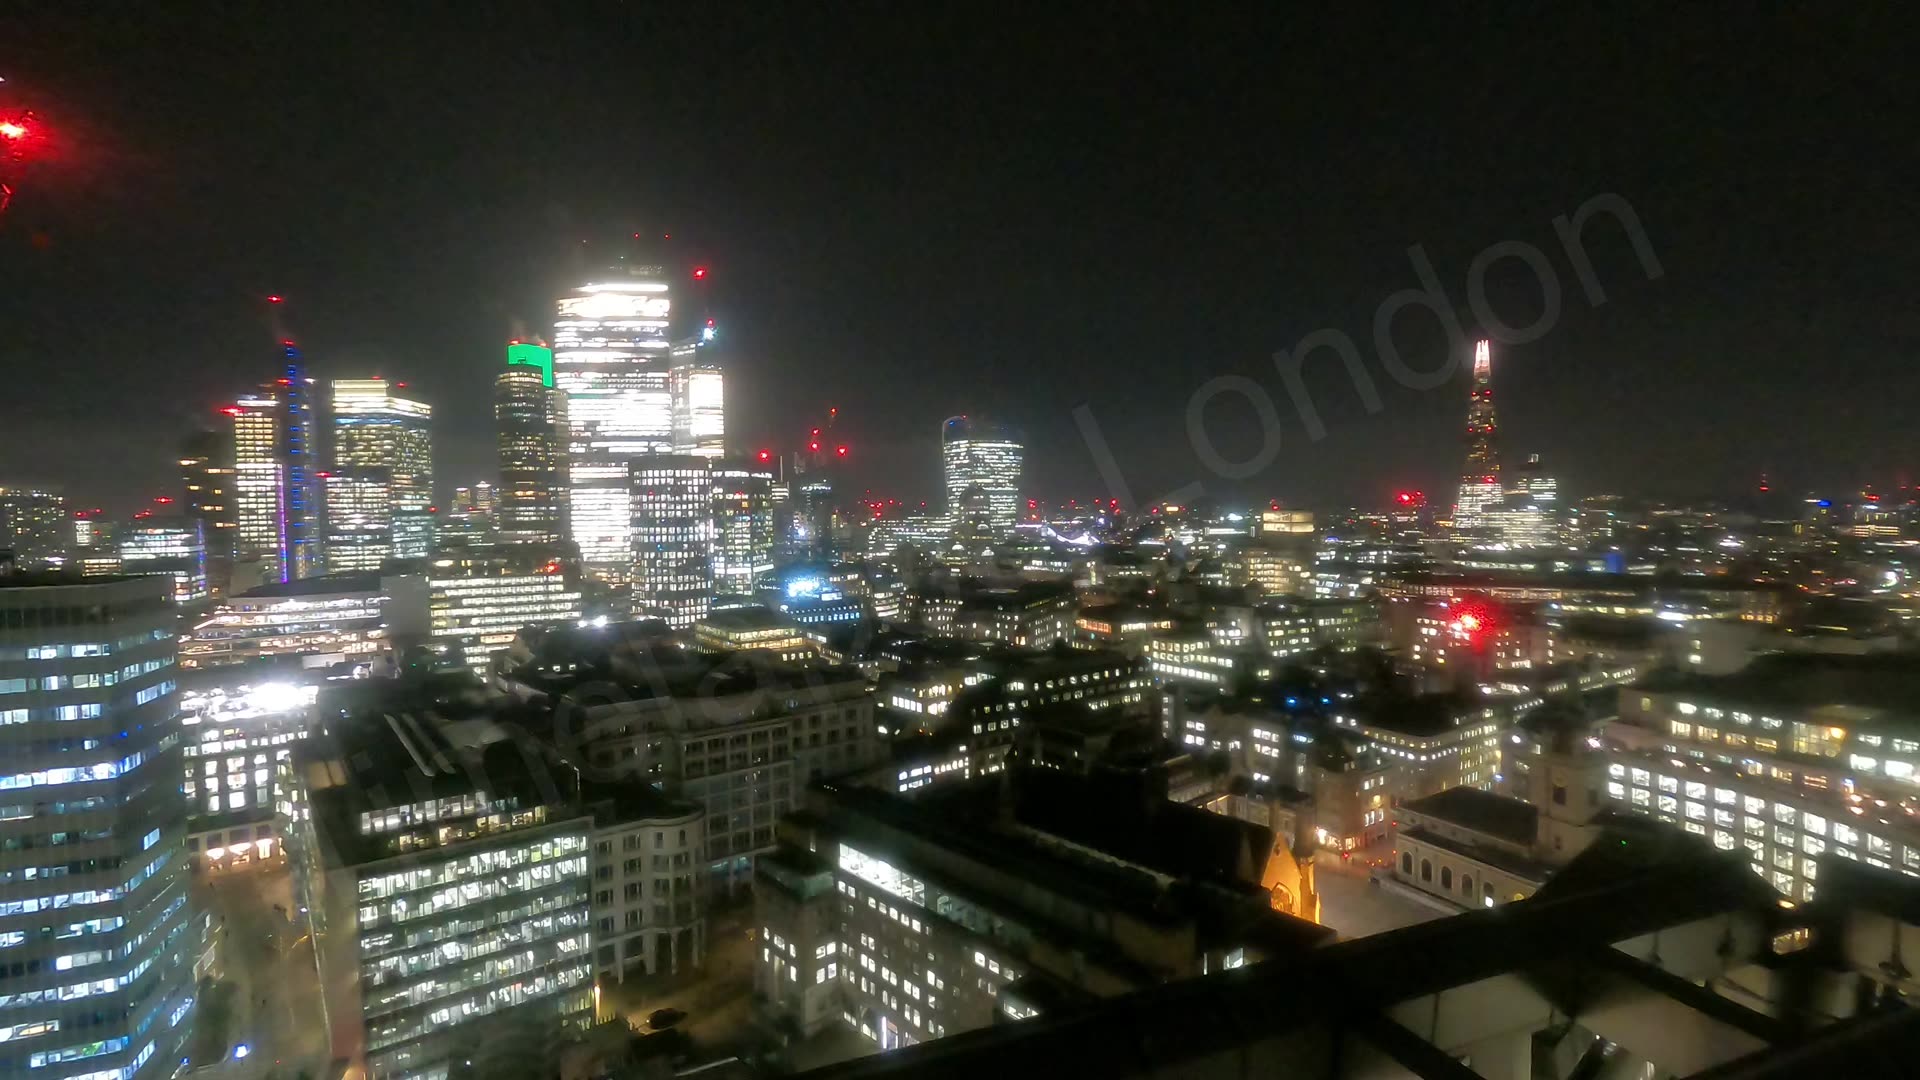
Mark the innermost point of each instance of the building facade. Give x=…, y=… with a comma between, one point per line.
x=742, y=526
x=672, y=535
x=610, y=359
x=381, y=439
x=447, y=880
x=95, y=923
x=174, y=550
x=207, y=495
x=33, y=526
x=477, y=600
x=983, y=463
x=530, y=424
x=649, y=886
x=698, y=389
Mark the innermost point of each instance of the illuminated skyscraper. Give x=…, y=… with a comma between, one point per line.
x=305, y=555
x=983, y=465
x=610, y=358
x=699, y=398
x=1480, y=489
x=530, y=422
x=259, y=483
x=377, y=429
x=359, y=517
x=672, y=531
x=742, y=526
x=33, y=525
x=207, y=495
x=172, y=549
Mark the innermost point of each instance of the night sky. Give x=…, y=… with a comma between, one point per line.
x=931, y=210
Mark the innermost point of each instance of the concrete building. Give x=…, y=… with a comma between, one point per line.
x=1794, y=757
x=756, y=628
x=446, y=872
x=341, y=618
x=909, y=921
x=239, y=740
x=735, y=735
x=96, y=930
x=478, y=600
x=33, y=526
x=1650, y=955
x=649, y=882
x=174, y=549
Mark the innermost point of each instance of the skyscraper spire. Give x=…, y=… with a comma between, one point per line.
x=1480, y=489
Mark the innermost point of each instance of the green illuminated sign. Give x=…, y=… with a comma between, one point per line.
x=533, y=356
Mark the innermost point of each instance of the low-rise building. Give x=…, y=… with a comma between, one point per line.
x=649, y=881
x=756, y=628
x=337, y=618
x=914, y=920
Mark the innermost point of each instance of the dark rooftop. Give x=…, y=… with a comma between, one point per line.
x=323, y=585
x=1513, y=820
x=744, y=618
x=1420, y=716
x=1889, y=680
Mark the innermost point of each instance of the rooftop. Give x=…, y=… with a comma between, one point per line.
x=1514, y=820
x=745, y=618
x=324, y=585
x=1888, y=681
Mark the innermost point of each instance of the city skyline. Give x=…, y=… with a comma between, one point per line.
x=830, y=295
x=627, y=539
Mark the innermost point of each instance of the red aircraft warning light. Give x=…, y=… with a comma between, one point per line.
x=276, y=298
x=12, y=130
x=766, y=455
x=814, y=446
x=840, y=450
x=700, y=274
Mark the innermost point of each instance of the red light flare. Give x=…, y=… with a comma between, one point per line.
x=840, y=450
x=162, y=499
x=276, y=298
x=765, y=455
x=12, y=130
x=233, y=410
x=814, y=446
x=700, y=274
